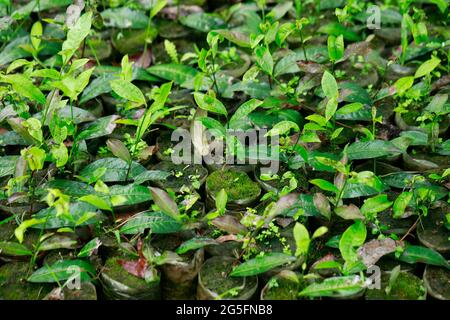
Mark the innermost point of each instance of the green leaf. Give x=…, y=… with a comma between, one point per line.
x=63, y=270
x=264, y=60
x=418, y=254
x=335, y=47
x=353, y=237
x=209, y=103
x=165, y=203
x=96, y=201
x=401, y=203
x=59, y=241
x=14, y=249
x=157, y=222
x=97, y=87
x=19, y=232
x=371, y=149
x=124, y=18
x=39, y=6
x=334, y=287
x=325, y=185
x=101, y=127
x=36, y=34
x=151, y=175
x=7, y=165
x=283, y=32
x=442, y=4
x=116, y=169
x=177, y=73
x=80, y=214
x=375, y=204
x=427, y=67
x=238, y=38
x=68, y=187
x=279, y=11
x=160, y=4
x=350, y=212
x=89, y=248
x=35, y=157
x=23, y=86
x=403, y=84
x=329, y=86
x=330, y=108
x=417, y=138
x=302, y=239
x=127, y=195
x=18, y=64
x=349, y=108
x=261, y=264
x=437, y=104
x=215, y=126
x=128, y=91
x=195, y=243
x=337, y=29
x=319, y=232
x=243, y=111
x=354, y=190
x=221, y=201
x=282, y=127
x=149, y=116
x=119, y=149
x=14, y=51
x=202, y=21
x=75, y=36
x=60, y=154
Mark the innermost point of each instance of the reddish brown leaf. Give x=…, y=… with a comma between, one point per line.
x=143, y=60
x=229, y=224
x=139, y=267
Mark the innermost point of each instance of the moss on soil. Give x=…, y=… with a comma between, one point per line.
x=237, y=185
x=406, y=287
x=116, y=272
x=13, y=284
x=87, y=292
x=286, y=288
x=214, y=276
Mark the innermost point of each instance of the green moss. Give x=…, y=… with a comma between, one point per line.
x=406, y=287
x=116, y=272
x=214, y=276
x=87, y=292
x=237, y=185
x=13, y=284
x=282, y=288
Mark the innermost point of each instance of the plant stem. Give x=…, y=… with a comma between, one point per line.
x=214, y=75
x=129, y=168
x=303, y=46
x=147, y=31
x=341, y=191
